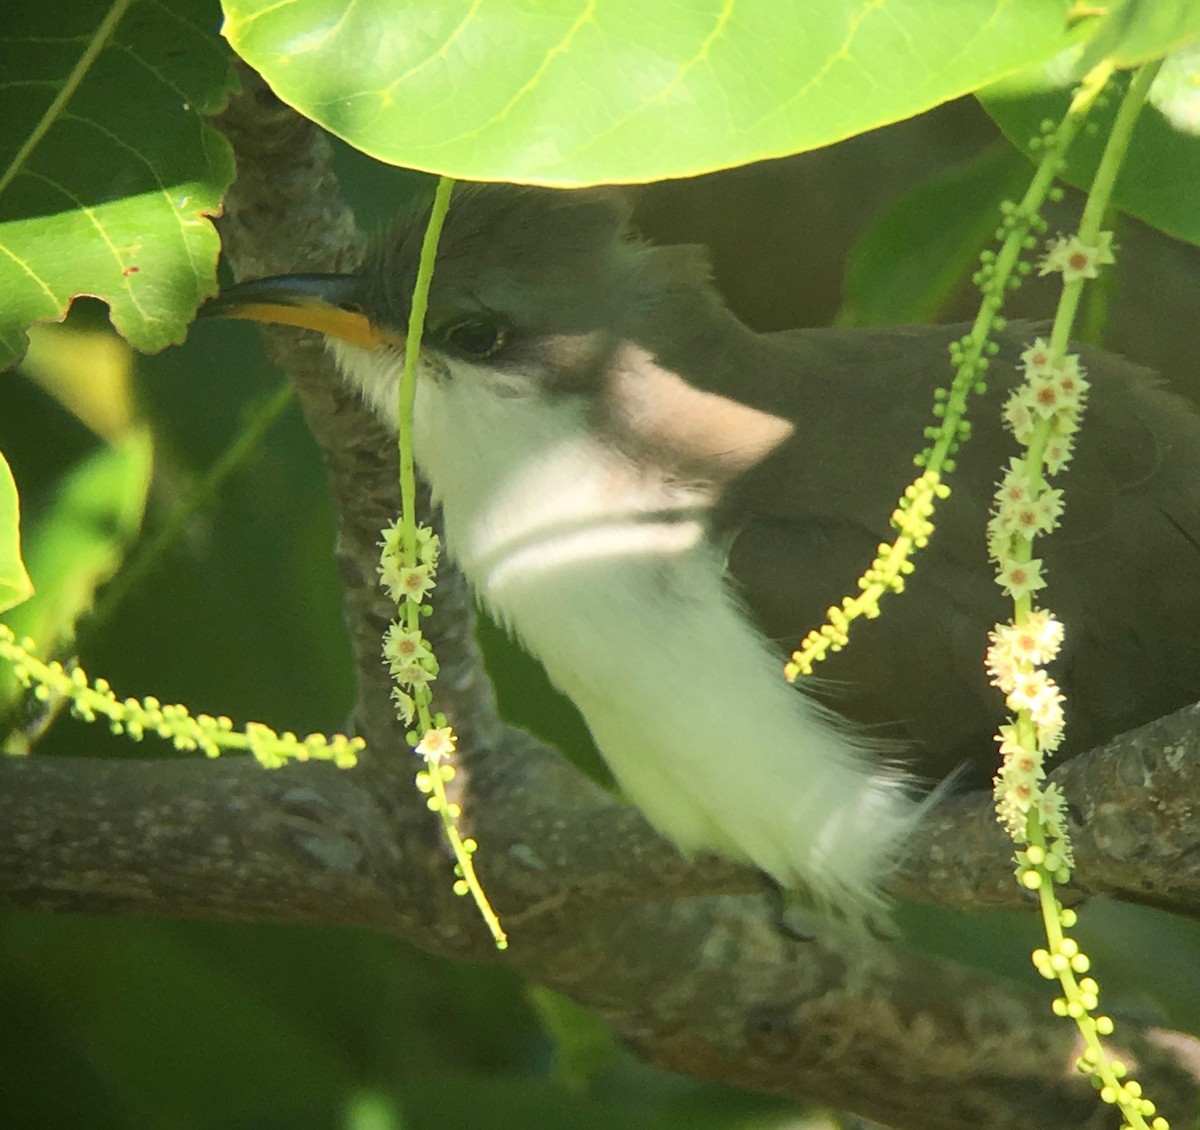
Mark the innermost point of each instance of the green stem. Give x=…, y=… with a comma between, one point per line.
x=406, y=393
x=408, y=378
x=1089, y=231
x=1101, y=193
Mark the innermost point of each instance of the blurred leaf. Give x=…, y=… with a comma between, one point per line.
x=1135, y=31
x=1158, y=180
x=15, y=585
x=87, y=371
x=108, y=173
x=125, y=985
x=913, y=258
x=1175, y=92
x=583, y=1046
x=370, y=1110
x=77, y=543
x=561, y=93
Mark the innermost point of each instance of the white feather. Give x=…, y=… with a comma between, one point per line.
x=604, y=572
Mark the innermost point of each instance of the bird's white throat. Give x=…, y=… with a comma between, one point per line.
x=604, y=570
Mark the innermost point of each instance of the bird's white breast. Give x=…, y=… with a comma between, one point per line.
x=605, y=573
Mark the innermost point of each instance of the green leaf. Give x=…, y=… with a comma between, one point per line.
x=15, y=585
x=1175, y=92
x=107, y=172
x=78, y=542
x=1158, y=181
x=88, y=371
x=129, y=982
x=913, y=258
x=566, y=92
x=583, y=1046
x=1135, y=31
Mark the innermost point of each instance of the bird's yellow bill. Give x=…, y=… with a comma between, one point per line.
x=329, y=304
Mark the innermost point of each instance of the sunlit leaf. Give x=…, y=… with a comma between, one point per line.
x=1161, y=172
x=1135, y=31
x=107, y=172
x=15, y=585
x=89, y=372
x=1175, y=92
x=567, y=92
x=78, y=542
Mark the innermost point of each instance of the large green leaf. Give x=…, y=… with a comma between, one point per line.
x=1135, y=31
x=15, y=585
x=570, y=92
x=107, y=172
x=1161, y=174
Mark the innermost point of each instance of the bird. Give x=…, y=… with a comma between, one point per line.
x=656, y=500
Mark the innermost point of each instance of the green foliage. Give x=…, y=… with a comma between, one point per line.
x=15, y=585
x=1160, y=174
x=1133, y=32
x=108, y=174
x=136, y=718
x=583, y=1047
x=560, y=93
x=78, y=542
x=913, y=259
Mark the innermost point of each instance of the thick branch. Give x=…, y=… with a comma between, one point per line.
x=594, y=901
x=1133, y=808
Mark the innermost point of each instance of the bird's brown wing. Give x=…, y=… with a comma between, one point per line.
x=1124, y=569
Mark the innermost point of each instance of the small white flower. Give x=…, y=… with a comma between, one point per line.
x=1020, y=578
x=1076, y=259
x=436, y=743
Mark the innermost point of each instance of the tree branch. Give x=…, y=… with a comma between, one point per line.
x=685, y=960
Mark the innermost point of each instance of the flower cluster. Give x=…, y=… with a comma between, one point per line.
x=912, y=519
x=135, y=718
x=1065, y=962
x=407, y=567
x=999, y=273
x=410, y=659
x=1043, y=415
x=402, y=580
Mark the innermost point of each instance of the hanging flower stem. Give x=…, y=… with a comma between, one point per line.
x=1044, y=415
x=407, y=567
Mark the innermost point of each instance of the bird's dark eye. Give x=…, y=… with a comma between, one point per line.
x=476, y=337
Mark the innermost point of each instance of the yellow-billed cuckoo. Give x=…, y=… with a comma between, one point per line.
x=656, y=499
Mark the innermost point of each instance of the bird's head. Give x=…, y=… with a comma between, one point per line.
x=531, y=289
x=540, y=299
